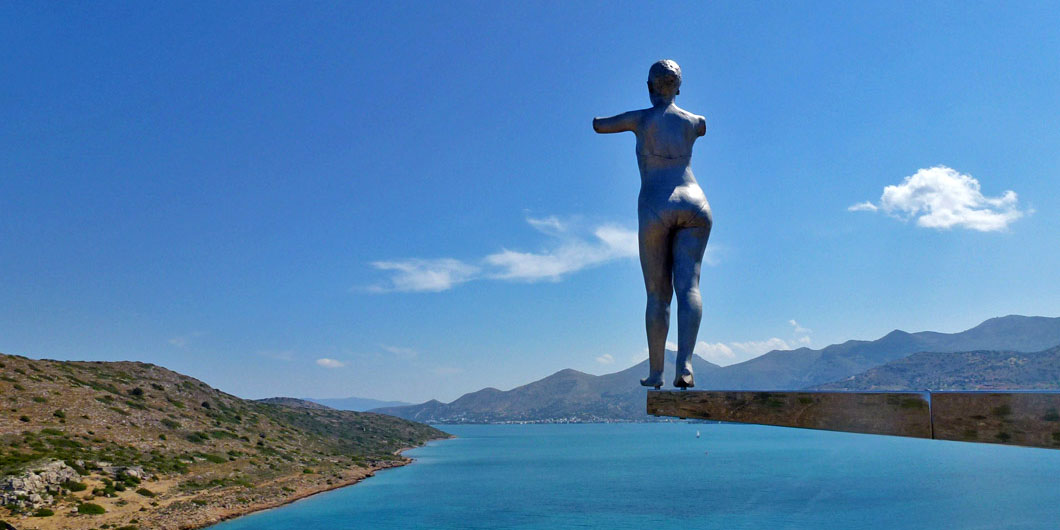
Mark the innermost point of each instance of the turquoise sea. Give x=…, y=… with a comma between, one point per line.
x=659, y=475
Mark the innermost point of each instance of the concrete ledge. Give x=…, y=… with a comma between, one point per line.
x=896, y=414
x=1013, y=418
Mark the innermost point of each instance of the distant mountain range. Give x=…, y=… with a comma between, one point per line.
x=975, y=370
x=567, y=395
x=293, y=402
x=570, y=395
x=801, y=368
x=357, y=403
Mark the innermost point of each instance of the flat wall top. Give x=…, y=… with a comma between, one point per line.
x=1014, y=418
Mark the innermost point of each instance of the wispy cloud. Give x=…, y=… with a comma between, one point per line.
x=717, y=352
x=570, y=249
x=282, y=355
x=754, y=348
x=571, y=255
x=799, y=329
x=862, y=207
x=943, y=198
x=181, y=341
x=445, y=371
x=733, y=352
x=801, y=334
x=405, y=353
x=606, y=358
x=546, y=224
x=412, y=360
x=431, y=275
x=330, y=363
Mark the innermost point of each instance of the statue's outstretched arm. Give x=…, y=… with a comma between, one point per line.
x=627, y=121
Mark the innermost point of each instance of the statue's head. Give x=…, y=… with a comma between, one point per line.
x=664, y=81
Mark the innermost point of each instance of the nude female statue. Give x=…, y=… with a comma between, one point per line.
x=674, y=217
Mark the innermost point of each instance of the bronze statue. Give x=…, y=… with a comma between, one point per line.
x=674, y=217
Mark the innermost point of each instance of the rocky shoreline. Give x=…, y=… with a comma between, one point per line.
x=134, y=446
x=295, y=496
x=175, y=509
x=299, y=495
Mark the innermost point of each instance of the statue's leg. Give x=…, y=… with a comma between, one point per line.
x=656, y=264
x=688, y=248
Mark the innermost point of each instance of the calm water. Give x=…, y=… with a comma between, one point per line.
x=661, y=475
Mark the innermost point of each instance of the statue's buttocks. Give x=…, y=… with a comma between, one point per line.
x=674, y=217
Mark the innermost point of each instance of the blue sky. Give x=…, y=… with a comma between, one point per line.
x=408, y=201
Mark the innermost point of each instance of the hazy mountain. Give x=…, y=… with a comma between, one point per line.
x=357, y=403
x=292, y=402
x=801, y=368
x=567, y=395
x=974, y=370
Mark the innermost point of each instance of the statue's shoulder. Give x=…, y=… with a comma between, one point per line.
x=696, y=123
x=694, y=118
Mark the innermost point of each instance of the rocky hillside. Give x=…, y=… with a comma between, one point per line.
x=975, y=370
x=206, y=451
x=565, y=396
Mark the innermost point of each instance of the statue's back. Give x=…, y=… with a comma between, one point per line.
x=667, y=132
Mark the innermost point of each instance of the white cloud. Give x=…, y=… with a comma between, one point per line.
x=754, y=348
x=548, y=224
x=670, y=345
x=183, y=340
x=862, y=207
x=571, y=250
x=330, y=363
x=943, y=198
x=620, y=242
x=711, y=256
x=284, y=355
x=717, y=353
x=605, y=359
x=572, y=255
x=405, y=353
x=799, y=330
x=733, y=352
x=425, y=274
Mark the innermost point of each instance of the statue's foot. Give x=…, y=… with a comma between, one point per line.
x=684, y=371
x=654, y=379
x=684, y=380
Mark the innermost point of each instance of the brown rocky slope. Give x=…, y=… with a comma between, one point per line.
x=152, y=448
